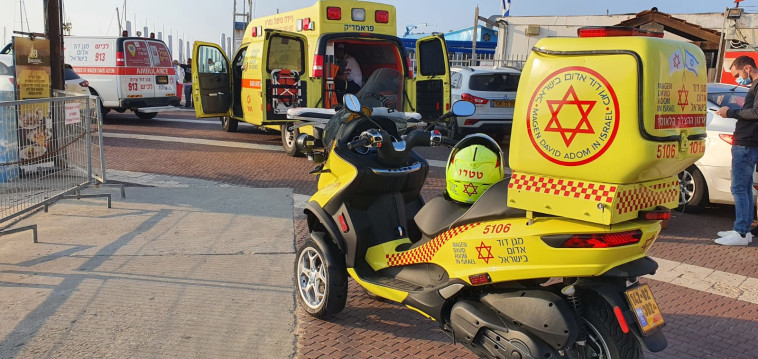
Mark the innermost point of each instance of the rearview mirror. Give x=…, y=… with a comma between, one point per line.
x=463, y=108
x=352, y=103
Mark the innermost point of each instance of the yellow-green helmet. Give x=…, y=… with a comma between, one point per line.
x=474, y=164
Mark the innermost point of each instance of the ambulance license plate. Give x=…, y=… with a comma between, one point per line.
x=161, y=80
x=502, y=103
x=645, y=308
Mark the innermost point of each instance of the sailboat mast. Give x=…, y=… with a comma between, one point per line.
x=21, y=13
x=118, y=19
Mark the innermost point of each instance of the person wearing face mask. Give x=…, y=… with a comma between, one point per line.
x=744, y=154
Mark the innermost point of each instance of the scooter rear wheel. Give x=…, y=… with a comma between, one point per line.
x=321, y=279
x=605, y=338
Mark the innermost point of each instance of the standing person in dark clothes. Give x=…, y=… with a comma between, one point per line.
x=744, y=154
x=188, y=83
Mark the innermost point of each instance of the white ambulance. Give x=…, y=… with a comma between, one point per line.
x=127, y=73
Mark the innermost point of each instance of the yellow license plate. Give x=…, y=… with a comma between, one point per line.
x=645, y=308
x=503, y=103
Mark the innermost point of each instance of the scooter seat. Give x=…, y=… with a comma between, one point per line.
x=493, y=204
x=440, y=214
x=436, y=215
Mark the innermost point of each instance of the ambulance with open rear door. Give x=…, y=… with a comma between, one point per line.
x=287, y=60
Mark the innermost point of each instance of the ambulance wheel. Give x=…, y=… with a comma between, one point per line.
x=289, y=141
x=145, y=115
x=694, y=191
x=321, y=279
x=229, y=124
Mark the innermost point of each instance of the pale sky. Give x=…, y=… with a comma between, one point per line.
x=205, y=20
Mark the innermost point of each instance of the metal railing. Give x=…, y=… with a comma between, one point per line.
x=49, y=149
x=457, y=59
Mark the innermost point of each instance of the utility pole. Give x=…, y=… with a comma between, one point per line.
x=54, y=32
x=473, y=39
x=240, y=20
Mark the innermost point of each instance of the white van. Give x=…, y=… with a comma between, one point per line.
x=127, y=73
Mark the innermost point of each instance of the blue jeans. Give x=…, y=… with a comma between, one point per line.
x=744, y=160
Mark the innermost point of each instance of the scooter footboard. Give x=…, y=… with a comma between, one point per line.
x=611, y=290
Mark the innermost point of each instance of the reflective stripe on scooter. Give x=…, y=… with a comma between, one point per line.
x=426, y=252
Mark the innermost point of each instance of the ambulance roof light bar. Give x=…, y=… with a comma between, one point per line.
x=611, y=31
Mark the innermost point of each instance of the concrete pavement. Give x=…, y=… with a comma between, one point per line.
x=187, y=269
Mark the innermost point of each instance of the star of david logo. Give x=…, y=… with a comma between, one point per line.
x=470, y=189
x=584, y=108
x=488, y=252
x=683, y=101
x=677, y=61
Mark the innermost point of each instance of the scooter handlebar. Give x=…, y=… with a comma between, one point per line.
x=361, y=142
x=449, y=142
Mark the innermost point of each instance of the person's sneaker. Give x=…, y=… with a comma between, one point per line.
x=753, y=232
x=734, y=239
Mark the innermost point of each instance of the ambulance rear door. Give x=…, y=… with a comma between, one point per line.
x=432, y=84
x=211, y=81
x=164, y=72
x=138, y=80
x=284, y=75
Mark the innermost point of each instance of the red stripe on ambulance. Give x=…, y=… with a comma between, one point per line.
x=107, y=70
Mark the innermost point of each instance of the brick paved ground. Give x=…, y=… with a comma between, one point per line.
x=699, y=324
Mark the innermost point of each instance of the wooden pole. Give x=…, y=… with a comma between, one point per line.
x=55, y=34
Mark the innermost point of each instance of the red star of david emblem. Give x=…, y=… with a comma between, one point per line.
x=488, y=250
x=584, y=108
x=677, y=61
x=470, y=189
x=683, y=97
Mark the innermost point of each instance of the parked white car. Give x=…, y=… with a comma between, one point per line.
x=709, y=180
x=7, y=83
x=493, y=91
x=74, y=83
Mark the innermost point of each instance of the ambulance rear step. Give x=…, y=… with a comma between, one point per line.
x=156, y=109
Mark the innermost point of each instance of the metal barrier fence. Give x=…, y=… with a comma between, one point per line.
x=49, y=149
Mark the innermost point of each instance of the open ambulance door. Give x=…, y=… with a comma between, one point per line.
x=285, y=82
x=211, y=81
x=432, y=85
x=284, y=75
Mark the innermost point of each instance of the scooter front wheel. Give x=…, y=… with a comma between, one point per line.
x=321, y=279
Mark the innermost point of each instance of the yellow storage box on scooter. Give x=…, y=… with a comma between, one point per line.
x=597, y=143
